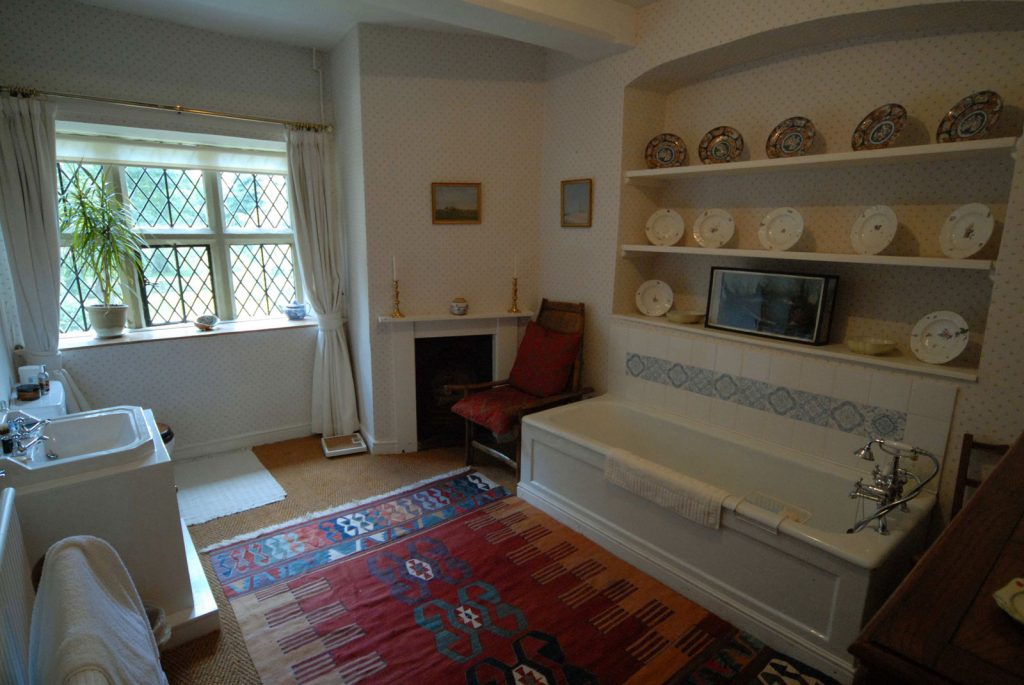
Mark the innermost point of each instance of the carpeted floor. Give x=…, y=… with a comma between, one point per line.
x=313, y=483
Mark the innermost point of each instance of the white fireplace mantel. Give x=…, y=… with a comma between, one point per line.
x=503, y=328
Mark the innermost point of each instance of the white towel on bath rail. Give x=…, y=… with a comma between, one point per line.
x=88, y=623
x=675, y=491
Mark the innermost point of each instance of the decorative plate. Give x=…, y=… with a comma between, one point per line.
x=665, y=150
x=880, y=128
x=966, y=231
x=665, y=227
x=780, y=229
x=654, y=298
x=713, y=228
x=874, y=229
x=722, y=144
x=792, y=138
x=971, y=118
x=939, y=337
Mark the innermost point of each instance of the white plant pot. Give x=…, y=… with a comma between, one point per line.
x=107, y=320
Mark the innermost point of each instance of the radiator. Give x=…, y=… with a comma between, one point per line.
x=16, y=595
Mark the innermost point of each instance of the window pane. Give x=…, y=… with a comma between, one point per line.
x=77, y=283
x=178, y=283
x=255, y=202
x=168, y=199
x=263, y=279
x=77, y=286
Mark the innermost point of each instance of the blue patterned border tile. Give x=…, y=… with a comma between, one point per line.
x=808, y=407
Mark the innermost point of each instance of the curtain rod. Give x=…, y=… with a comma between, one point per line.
x=180, y=109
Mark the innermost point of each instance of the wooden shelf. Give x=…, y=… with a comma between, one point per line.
x=838, y=351
x=993, y=147
x=452, y=317
x=933, y=262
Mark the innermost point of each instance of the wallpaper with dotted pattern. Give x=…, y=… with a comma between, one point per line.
x=444, y=107
x=590, y=108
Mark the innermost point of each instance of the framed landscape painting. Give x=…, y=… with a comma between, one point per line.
x=455, y=203
x=577, y=202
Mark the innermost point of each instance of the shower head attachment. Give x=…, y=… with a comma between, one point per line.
x=865, y=452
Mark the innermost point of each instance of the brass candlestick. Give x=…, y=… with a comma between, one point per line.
x=515, y=296
x=396, y=312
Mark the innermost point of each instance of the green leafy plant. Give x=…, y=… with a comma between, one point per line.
x=102, y=231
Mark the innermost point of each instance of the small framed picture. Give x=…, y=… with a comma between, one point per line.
x=455, y=203
x=577, y=202
x=795, y=307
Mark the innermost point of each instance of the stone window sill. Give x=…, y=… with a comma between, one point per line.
x=182, y=331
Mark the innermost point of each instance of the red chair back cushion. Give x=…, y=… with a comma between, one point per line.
x=544, y=360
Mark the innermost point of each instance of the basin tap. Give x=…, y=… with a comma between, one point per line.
x=21, y=447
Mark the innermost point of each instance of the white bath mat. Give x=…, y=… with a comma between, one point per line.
x=222, y=484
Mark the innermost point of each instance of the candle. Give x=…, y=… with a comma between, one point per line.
x=515, y=266
x=394, y=269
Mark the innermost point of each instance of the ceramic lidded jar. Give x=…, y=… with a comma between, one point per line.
x=458, y=306
x=295, y=311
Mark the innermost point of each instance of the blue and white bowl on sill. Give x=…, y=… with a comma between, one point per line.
x=295, y=311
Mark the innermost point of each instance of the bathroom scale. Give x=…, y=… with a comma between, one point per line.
x=340, y=445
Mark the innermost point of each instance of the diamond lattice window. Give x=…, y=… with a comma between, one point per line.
x=167, y=198
x=264, y=278
x=178, y=283
x=255, y=202
x=77, y=284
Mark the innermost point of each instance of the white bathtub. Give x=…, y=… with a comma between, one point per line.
x=804, y=588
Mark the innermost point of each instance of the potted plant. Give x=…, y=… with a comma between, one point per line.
x=104, y=239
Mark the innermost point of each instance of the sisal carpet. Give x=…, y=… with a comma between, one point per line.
x=313, y=483
x=223, y=484
x=453, y=581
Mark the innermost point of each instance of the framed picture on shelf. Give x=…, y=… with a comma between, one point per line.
x=577, y=202
x=794, y=307
x=455, y=203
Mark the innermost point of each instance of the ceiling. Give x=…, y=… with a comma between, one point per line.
x=587, y=29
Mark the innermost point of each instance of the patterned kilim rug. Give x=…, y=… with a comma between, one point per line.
x=454, y=581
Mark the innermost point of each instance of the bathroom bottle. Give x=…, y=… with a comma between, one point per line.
x=44, y=381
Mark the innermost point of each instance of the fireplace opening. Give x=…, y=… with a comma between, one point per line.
x=444, y=361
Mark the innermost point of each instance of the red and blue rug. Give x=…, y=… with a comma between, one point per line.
x=455, y=581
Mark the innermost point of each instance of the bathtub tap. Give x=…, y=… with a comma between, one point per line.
x=887, y=488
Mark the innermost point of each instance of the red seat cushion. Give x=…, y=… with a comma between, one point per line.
x=544, y=360
x=494, y=409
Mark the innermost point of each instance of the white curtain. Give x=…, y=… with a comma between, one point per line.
x=318, y=240
x=28, y=215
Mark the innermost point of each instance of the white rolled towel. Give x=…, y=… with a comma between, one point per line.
x=677, y=492
x=88, y=623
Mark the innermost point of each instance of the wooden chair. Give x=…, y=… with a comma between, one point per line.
x=963, y=479
x=553, y=344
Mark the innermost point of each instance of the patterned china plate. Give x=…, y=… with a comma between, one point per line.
x=780, y=229
x=880, y=128
x=966, y=231
x=939, y=337
x=791, y=138
x=665, y=227
x=874, y=230
x=654, y=298
x=713, y=228
x=665, y=150
x=722, y=144
x=971, y=118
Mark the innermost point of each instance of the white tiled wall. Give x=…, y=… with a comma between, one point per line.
x=928, y=404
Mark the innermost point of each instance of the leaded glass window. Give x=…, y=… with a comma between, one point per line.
x=264, y=278
x=255, y=202
x=167, y=198
x=178, y=283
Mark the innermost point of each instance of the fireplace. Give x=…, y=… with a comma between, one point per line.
x=447, y=361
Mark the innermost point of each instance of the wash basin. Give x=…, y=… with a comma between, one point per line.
x=83, y=442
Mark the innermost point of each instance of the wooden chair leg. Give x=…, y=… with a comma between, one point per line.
x=515, y=453
x=469, y=442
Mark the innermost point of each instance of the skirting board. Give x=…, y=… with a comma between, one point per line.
x=237, y=442
x=629, y=548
